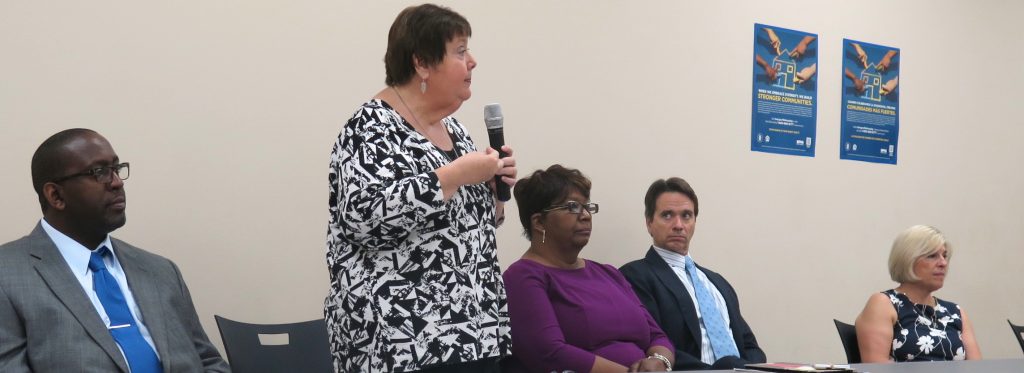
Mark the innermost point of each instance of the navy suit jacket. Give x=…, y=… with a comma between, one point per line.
x=665, y=297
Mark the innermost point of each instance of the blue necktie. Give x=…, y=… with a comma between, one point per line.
x=718, y=334
x=141, y=357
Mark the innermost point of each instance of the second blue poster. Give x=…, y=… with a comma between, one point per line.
x=871, y=103
x=785, y=91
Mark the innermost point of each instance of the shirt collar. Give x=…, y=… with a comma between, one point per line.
x=74, y=253
x=673, y=258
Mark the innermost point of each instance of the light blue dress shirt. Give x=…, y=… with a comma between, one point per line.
x=77, y=257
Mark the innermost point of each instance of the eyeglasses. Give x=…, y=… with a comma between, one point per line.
x=575, y=207
x=103, y=174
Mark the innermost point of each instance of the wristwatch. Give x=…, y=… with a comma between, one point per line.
x=668, y=365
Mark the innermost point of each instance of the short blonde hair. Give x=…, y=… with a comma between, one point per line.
x=911, y=244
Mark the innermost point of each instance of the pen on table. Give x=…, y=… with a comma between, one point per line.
x=831, y=366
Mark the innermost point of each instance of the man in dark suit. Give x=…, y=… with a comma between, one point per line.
x=695, y=307
x=74, y=299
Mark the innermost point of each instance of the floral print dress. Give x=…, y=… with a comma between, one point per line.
x=925, y=333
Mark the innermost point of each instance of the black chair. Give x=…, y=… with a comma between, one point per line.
x=848, y=334
x=1018, y=331
x=307, y=348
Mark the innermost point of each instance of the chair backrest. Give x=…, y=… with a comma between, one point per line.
x=1018, y=331
x=848, y=334
x=307, y=348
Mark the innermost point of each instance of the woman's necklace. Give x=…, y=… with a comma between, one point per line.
x=407, y=108
x=924, y=310
x=424, y=129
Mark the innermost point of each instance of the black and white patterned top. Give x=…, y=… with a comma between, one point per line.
x=925, y=333
x=415, y=280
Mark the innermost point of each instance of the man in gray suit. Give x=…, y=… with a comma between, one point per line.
x=74, y=299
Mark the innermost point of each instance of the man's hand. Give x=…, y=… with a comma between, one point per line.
x=861, y=55
x=774, y=39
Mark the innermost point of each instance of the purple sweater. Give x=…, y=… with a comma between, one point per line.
x=562, y=319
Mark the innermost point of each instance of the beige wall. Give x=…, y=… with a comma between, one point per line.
x=227, y=111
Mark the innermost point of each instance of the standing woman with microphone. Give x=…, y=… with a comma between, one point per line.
x=411, y=247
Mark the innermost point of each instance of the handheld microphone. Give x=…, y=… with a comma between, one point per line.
x=496, y=133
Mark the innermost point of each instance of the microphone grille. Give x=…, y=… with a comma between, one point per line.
x=492, y=111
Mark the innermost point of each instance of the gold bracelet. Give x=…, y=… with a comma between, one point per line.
x=668, y=365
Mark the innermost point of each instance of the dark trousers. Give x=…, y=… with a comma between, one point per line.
x=488, y=365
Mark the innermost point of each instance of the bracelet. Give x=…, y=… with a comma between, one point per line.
x=668, y=365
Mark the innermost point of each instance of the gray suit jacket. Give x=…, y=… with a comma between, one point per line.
x=48, y=324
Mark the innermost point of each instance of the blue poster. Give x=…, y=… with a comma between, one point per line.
x=871, y=103
x=785, y=95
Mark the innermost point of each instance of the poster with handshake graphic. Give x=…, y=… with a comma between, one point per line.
x=871, y=103
x=785, y=93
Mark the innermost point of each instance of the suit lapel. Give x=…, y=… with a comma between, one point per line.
x=675, y=286
x=54, y=270
x=145, y=291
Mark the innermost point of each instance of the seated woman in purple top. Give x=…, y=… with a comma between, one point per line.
x=567, y=313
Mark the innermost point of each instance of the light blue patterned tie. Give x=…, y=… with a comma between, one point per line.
x=721, y=343
x=124, y=329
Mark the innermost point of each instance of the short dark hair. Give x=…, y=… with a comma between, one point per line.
x=672, y=184
x=50, y=160
x=543, y=188
x=421, y=31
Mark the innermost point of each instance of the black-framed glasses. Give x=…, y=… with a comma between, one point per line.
x=576, y=207
x=103, y=174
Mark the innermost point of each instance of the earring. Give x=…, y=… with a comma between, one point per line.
x=543, y=236
x=423, y=86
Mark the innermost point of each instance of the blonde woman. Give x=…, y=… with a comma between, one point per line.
x=908, y=323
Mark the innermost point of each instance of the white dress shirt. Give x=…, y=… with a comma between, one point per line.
x=678, y=264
